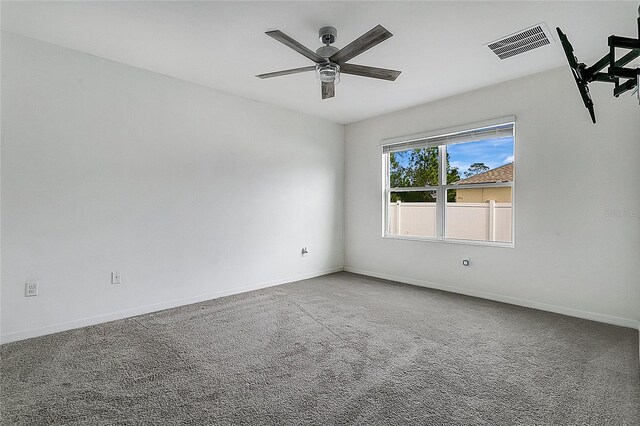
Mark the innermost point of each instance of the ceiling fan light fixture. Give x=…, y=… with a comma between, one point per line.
x=328, y=73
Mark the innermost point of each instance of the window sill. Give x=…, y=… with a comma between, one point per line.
x=448, y=241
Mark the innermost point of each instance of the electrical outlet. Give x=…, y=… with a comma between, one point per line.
x=31, y=288
x=304, y=252
x=115, y=278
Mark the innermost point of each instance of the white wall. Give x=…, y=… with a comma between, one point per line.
x=192, y=194
x=188, y=192
x=573, y=258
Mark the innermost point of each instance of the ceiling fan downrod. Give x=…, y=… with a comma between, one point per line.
x=328, y=36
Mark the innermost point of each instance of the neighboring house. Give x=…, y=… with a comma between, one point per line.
x=483, y=195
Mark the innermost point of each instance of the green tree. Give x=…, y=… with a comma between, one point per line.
x=397, y=173
x=453, y=175
x=420, y=169
x=476, y=168
x=423, y=170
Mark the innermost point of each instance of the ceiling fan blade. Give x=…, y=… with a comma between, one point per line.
x=364, y=71
x=361, y=44
x=328, y=90
x=288, y=41
x=287, y=72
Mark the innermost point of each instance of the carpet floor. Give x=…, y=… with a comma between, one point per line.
x=340, y=349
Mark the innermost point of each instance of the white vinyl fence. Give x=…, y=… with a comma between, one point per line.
x=465, y=221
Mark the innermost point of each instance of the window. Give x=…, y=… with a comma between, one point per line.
x=454, y=186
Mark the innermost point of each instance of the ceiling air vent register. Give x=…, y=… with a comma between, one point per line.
x=522, y=41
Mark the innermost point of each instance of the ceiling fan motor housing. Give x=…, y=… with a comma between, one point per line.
x=326, y=51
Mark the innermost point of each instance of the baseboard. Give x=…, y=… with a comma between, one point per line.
x=593, y=316
x=132, y=312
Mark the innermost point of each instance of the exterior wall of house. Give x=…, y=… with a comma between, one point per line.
x=483, y=195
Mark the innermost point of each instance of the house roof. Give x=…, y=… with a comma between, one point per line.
x=499, y=174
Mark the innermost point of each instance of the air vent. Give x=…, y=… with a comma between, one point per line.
x=522, y=41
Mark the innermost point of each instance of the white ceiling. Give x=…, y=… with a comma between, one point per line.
x=438, y=46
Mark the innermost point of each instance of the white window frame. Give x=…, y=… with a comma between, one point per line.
x=442, y=187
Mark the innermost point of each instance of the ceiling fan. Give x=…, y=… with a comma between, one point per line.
x=331, y=61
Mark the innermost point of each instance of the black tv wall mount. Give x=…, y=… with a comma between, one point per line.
x=623, y=78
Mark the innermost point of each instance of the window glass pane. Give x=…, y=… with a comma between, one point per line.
x=412, y=213
x=485, y=161
x=479, y=214
x=413, y=168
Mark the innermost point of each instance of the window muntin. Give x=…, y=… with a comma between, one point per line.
x=467, y=197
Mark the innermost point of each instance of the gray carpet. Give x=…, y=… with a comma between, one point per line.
x=335, y=350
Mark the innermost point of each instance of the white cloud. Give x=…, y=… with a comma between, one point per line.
x=508, y=160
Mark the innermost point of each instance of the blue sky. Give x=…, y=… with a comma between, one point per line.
x=493, y=152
